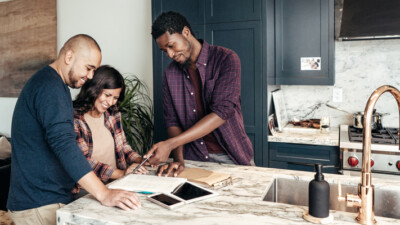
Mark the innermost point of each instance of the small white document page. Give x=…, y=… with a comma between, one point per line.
x=148, y=183
x=310, y=63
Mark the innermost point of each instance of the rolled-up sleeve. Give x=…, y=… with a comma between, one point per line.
x=226, y=94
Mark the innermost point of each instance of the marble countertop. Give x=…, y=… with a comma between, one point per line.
x=239, y=203
x=311, y=136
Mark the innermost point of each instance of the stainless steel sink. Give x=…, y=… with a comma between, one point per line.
x=295, y=192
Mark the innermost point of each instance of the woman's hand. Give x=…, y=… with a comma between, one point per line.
x=141, y=170
x=175, y=167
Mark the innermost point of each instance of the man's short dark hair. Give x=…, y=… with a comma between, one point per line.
x=172, y=22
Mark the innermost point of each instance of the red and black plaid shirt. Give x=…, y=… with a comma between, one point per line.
x=220, y=79
x=124, y=154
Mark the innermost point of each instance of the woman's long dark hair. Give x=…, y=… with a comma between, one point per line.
x=105, y=77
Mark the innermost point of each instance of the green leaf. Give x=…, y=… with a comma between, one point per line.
x=137, y=115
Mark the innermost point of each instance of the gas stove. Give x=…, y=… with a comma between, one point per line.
x=383, y=136
x=385, y=153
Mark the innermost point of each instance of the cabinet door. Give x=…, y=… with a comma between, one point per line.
x=232, y=10
x=193, y=10
x=244, y=38
x=304, y=29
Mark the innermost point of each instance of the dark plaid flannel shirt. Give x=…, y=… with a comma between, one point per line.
x=220, y=75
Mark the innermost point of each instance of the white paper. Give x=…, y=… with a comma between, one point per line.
x=310, y=63
x=148, y=183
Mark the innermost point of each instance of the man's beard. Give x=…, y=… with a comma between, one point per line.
x=73, y=82
x=187, y=61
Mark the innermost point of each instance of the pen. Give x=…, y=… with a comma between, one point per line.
x=141, y=164
x=145, y=192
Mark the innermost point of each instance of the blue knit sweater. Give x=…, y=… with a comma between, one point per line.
x=46, y=161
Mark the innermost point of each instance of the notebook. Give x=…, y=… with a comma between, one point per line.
x=147, y=183
x=211, y=178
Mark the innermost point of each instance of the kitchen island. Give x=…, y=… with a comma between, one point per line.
x=239, y=203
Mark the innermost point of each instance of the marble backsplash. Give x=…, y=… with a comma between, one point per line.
x=360, y=68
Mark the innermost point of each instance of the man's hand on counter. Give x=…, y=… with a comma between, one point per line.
x=174, y=167
x=123, y=199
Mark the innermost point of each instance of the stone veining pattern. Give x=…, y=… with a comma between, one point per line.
x=239, y=203
x=360, y=68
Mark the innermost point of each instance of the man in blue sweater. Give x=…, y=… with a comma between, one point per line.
x=46, y=161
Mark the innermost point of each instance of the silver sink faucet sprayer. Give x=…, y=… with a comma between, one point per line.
x=365, y=198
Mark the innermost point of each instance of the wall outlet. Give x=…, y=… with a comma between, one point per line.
x=337, y=95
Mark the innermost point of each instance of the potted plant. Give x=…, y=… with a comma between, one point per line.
x=137, y=115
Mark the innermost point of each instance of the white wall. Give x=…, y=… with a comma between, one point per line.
x=122, y=29
x=6, y=110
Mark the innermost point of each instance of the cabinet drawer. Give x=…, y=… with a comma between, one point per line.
x=295, y=156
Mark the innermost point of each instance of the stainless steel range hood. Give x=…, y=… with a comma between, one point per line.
x=367, y=19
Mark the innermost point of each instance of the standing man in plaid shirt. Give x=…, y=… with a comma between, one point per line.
x=201, y=95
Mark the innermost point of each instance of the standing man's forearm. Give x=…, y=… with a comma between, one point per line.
x=203, y=127
x=200, y=129
x=177, y=153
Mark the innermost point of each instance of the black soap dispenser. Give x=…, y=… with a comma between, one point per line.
x=318, y=195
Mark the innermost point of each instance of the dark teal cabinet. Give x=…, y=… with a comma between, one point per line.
x=303, y=157
x=270, y=37
x=304, y=29
x=217, y=11
x=245, y=40
x=234, y=24
x=193, y=10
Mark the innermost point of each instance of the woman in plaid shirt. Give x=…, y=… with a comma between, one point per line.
x=98, y=126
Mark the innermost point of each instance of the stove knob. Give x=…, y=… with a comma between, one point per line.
x=398, y=165
x=372, y=162
x=353, y=161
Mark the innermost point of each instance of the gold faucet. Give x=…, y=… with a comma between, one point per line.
x=365, y=198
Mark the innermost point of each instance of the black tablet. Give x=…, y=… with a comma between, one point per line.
x=191, y=192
